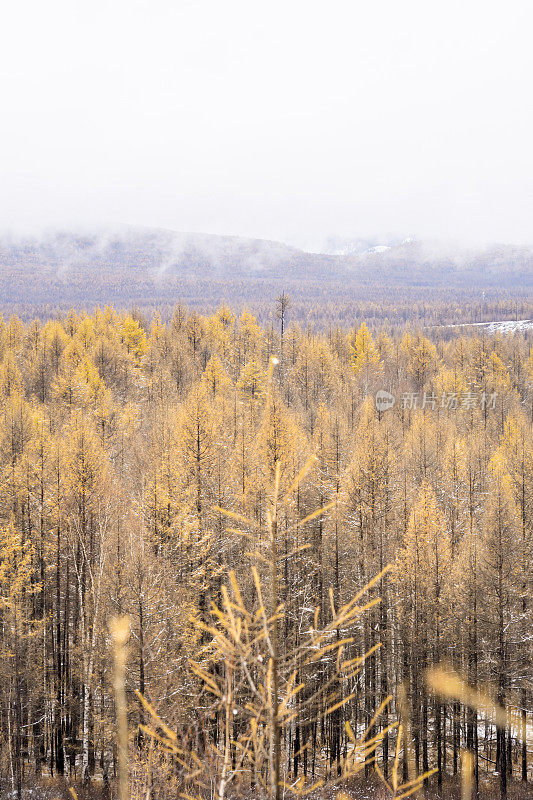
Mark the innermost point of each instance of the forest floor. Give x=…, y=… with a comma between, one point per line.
x=54, y=789
x=450, y=790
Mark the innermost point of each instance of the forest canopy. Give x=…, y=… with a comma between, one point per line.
x=231, y=488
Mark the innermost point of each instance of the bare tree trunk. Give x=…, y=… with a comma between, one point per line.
x=276, y=741
x=524, y=735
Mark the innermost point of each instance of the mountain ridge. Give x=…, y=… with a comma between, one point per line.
x=154, y=267
x=174, y=250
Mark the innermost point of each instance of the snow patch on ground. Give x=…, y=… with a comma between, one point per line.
x=503, y=326
x=379, y=248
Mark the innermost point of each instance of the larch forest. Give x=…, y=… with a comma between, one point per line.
x=229, y=570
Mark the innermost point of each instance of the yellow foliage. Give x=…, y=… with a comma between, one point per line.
x=10, y=377
x=134, y=338
x=364, y=354
x=252, y=382
x=15, y=567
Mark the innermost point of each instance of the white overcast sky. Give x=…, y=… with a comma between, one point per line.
x=291, y=120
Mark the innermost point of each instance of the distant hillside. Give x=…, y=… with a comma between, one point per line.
x=154, y=268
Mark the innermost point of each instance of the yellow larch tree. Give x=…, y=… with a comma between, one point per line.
x=364, y=355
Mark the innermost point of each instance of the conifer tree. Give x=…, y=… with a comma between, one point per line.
x=364, y=354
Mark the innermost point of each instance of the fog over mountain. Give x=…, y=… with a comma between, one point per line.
x=154, y=268
x=156, y=252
